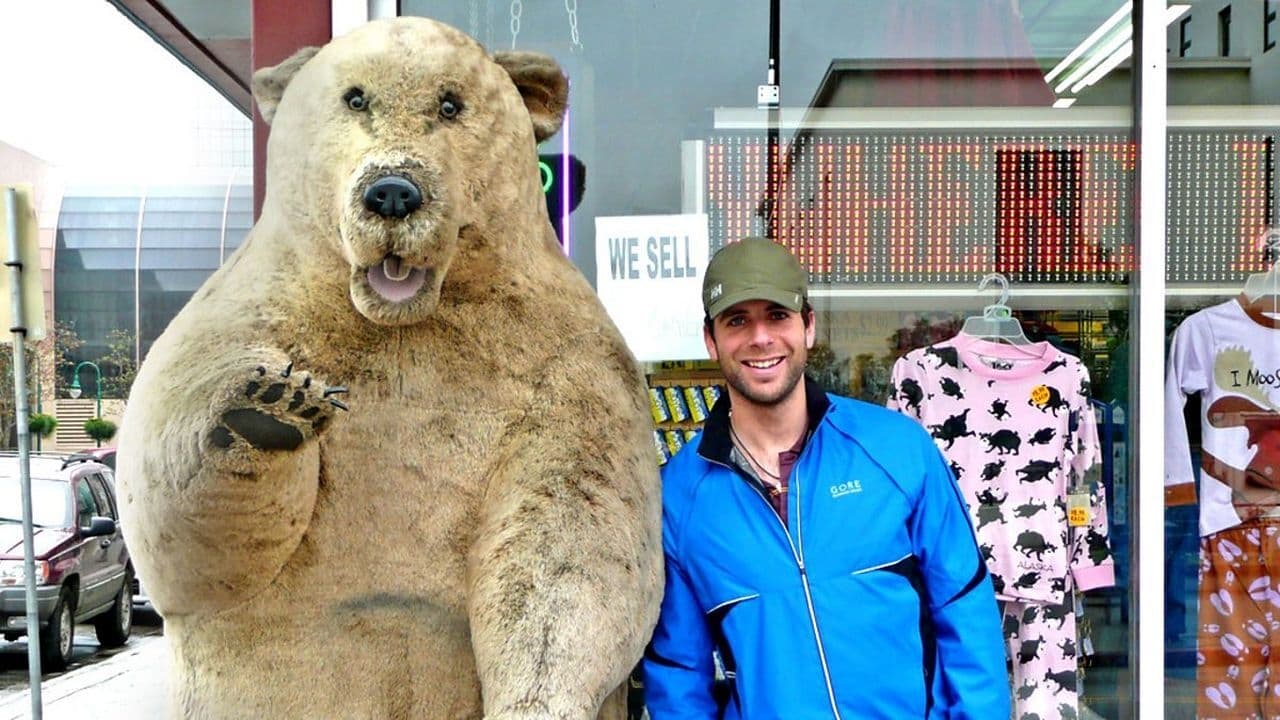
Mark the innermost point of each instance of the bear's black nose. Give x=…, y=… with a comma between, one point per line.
x=392, y=196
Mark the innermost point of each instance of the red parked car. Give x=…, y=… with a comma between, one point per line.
x=83, y=568
x=104, y=455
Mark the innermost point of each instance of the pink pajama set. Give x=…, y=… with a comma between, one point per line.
x=1015, y=424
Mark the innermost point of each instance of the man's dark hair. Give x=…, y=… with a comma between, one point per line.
x=806, y=312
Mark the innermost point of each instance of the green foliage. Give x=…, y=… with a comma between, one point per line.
x=99, y=429
x=828, y=370
x=118, y=367
x=44, y=360
x=872, y=378
x=41, y=424
x=65, y=342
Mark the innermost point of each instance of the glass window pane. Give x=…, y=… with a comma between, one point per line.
x=1224, y=347
x=915, y=147
x=101, y=497
x=187, y=231
x=86, y=504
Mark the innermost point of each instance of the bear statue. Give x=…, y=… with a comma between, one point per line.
x=393, y=460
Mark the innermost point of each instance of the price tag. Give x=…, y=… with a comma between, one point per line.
x=1078, y=508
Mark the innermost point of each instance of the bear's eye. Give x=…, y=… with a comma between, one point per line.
x=450, y=106
x=354, y=98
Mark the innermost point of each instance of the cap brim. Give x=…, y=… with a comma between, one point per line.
x=790, y=300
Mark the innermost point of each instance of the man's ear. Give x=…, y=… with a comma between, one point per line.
x=710, y=340
x=543, y=87
x=269, y=82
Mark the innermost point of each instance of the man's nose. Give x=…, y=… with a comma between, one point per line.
x=760, y=334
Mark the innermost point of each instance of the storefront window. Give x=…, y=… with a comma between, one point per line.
x=1221, y=531
x=915, y=147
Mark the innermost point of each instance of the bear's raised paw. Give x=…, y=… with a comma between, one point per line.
x=277, y=411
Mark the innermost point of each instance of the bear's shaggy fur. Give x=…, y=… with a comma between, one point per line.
x=479, y=536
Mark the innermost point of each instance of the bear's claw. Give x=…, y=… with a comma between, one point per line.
x=280, y=414
x=335, y=390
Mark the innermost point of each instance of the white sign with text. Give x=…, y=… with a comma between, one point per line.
x=649, y=276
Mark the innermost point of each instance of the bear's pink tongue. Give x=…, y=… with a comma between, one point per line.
x=395, y=282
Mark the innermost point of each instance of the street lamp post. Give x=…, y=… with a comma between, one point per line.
x=74, y=390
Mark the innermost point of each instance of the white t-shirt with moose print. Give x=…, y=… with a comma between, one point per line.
x=1015, y=424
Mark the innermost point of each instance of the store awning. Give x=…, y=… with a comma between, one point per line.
x=212, y=38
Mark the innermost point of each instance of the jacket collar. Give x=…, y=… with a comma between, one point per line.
x=716, y=445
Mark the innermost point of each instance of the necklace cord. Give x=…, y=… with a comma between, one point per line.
x=737, y=441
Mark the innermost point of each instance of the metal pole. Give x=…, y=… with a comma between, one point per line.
x=97, y=380
x=1147, y=643
x=19, y=331
x=39, y=400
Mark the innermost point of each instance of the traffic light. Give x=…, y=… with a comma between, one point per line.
x=552, y=167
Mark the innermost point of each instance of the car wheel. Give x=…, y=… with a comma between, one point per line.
x=58, y=637
x=113, y=626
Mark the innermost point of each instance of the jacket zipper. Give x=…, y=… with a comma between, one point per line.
x=797, y=553
x=808, y=597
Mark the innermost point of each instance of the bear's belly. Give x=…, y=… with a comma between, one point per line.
x=393, y=523
x=373, y=658
x=367, y=618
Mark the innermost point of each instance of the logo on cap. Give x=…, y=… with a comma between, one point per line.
x=753, y=268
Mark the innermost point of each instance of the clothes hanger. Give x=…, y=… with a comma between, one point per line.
x=1260, y=286
x=996, y=322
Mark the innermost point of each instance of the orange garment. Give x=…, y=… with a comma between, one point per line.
x=1238, y=643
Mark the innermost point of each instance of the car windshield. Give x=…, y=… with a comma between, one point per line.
x=49, y=506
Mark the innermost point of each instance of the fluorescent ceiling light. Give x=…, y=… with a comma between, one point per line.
x=1105, y=67
x=1066, y=102
x=1121, y=14
x=1103, y=52
x=1104, y=58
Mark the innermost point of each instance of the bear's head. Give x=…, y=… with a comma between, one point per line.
x=399, y=143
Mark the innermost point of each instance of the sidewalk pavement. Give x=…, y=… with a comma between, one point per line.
x=130, y=685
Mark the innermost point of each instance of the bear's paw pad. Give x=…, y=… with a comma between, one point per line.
x=283, y=411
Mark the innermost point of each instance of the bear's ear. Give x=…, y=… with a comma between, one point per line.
x=543, y=86
x=269, y=82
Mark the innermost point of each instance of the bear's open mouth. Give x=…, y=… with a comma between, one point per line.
x=395, y=280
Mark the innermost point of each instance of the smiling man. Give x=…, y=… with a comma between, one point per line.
x=820, y=561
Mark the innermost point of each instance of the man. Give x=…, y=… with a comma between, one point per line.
x=816, y=547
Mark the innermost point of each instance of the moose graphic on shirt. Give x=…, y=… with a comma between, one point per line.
x=1255, y=488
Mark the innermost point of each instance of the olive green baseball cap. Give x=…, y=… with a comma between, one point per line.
x=753, y=268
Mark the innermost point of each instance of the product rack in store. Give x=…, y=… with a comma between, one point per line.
x=680, y=403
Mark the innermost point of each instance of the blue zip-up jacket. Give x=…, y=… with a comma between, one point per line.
x=872, y=602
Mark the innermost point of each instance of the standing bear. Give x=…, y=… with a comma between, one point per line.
x=478, y=535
